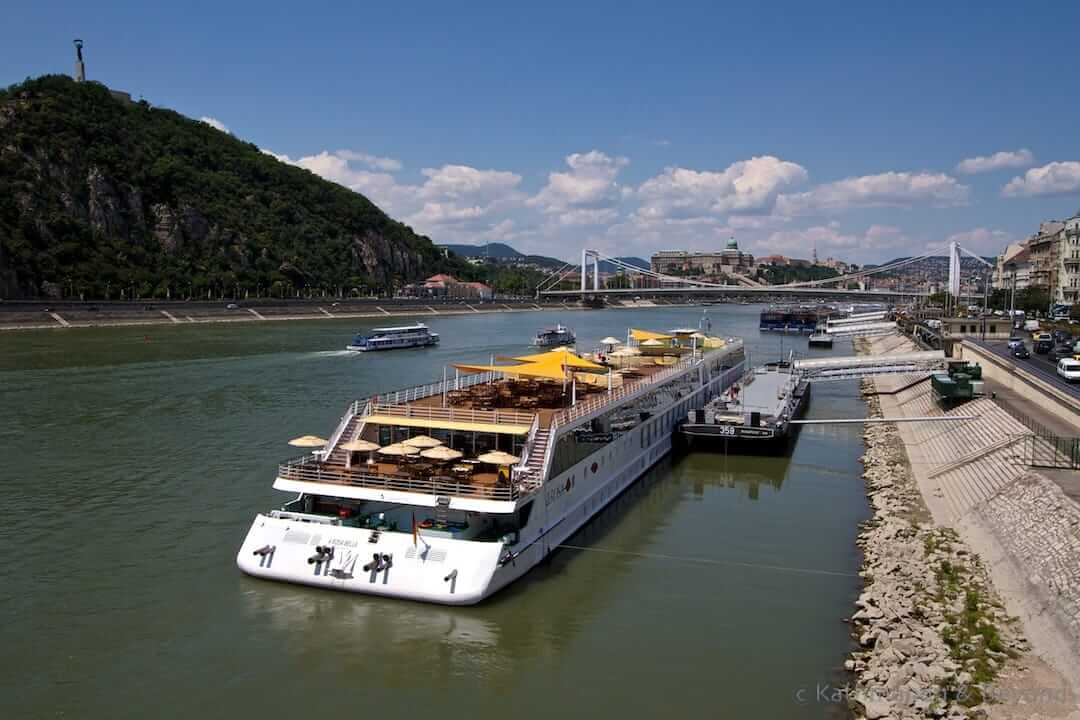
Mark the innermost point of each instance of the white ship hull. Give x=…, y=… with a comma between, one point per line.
x=463, y=572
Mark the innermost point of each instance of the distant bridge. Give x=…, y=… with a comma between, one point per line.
x=646, y=282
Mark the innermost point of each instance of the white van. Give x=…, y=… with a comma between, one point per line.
x=1069, y=369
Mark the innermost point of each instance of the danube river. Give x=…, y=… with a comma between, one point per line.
x=135, y=458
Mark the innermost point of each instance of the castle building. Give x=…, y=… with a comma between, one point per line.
x=730, y=260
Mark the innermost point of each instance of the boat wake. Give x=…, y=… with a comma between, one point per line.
x=328, y=354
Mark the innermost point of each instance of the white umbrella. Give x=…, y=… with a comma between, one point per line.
x=610, y=341
x=499, y=457
x=308, y=441
x=652, y=343
x=440, y=453
x=399, y=449
x=359, y=445
x=422, y=441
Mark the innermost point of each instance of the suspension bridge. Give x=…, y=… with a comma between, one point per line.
x=640, y=282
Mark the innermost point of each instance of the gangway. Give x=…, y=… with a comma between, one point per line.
x=857, y=318
x=864, y=329
x=860, y=366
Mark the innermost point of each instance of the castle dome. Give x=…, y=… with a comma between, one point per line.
x=732, y=245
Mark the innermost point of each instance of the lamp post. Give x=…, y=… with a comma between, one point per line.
x=1012, y=295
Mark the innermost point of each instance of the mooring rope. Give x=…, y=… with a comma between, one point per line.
x=712, y=561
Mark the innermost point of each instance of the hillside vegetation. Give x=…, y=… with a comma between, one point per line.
x=99, y=196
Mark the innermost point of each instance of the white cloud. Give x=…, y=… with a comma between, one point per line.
x=215, y=123
x=589, y=183
x=997, y=161
x=745, y=185
x=830, y=240
x=373, y=161
x=891, y=189
x=587, y=216
x=980, y=240
x=461, y=181
x=1056, y=178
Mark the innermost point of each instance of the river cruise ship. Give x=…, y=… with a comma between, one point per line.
x=393, y=338
x=449, y=491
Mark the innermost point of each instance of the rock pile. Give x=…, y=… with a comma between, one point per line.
x=930, y=633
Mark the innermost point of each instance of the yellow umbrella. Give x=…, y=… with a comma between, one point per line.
x=359, y=445
x=308, y=441
x=422, y=441
x=440, y=453
x=399, y=449
x=499, y=457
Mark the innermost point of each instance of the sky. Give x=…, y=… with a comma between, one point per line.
x=865, y=130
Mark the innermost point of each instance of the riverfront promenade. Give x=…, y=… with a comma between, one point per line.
x=975, y=477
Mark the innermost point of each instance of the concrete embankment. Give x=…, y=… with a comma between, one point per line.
x=27, y=315
x=968, y=553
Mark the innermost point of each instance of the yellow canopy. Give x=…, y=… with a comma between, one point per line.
x=548, y=371
x=562, y=356
x=641, y=335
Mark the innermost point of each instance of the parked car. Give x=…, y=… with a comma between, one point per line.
x=1069, y=369
x=1021, y=352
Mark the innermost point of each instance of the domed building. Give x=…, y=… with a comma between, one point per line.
x=729, y=261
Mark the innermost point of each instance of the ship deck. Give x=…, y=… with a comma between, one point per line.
x=764, y=393
x=502, y=406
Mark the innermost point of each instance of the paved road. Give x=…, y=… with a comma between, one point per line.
x=1037, y=365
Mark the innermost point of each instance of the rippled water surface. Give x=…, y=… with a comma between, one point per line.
x=134, y=459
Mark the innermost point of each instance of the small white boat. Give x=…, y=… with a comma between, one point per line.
x=393, y=338
x=554, y=337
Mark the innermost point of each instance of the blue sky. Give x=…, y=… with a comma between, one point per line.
x=628, y=127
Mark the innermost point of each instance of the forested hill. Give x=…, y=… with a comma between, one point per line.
x=98, y=193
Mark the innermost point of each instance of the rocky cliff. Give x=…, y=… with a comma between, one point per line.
x=98, y=195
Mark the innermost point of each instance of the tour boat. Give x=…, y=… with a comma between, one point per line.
x=554, y=337
x=393, y=338
x=517, y=457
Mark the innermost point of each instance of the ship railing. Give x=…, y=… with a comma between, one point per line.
x=604, y=399
x=418, y=392
x=422, y=412
x=309, y=469
x=529, y=439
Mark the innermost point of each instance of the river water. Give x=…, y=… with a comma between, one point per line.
x=135, y=458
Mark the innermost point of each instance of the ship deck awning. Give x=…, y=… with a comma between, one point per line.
x=447, y=424
x=642, y=335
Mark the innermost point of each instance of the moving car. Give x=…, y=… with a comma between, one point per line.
x=1061, y=352
x=1015, y=342
x=1069, y=369
x=1021, y=352
x=1043, y=346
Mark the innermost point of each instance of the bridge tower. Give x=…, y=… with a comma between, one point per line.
x=587, y=255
